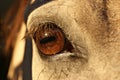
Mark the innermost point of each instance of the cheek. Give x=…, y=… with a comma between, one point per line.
x=68, y=69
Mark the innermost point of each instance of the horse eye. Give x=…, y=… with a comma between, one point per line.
x=49, y=39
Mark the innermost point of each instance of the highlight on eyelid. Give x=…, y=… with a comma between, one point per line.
x=49, y=39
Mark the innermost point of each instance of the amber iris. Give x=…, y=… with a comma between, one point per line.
x=49, y=39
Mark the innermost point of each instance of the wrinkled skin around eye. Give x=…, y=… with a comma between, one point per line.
x=95, y=42
x=92, y=27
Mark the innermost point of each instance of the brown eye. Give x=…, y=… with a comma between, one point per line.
x=49, y=39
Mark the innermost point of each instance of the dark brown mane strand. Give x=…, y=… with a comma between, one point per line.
x=10, y=25
x=14, y=18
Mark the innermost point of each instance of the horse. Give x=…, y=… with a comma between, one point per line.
x=67, y=40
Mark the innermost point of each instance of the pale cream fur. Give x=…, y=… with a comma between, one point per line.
x=93, y=27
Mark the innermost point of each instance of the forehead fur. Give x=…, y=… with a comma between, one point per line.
x=101, y=15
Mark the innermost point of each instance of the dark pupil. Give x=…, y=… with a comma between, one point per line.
x=47, y=39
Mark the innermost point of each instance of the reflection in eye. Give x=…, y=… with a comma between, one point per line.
x=49, y=39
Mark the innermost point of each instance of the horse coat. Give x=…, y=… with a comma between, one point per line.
x=68, y=39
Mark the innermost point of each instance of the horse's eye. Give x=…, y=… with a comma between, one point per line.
x=49, y=39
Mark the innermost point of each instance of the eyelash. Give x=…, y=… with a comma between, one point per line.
x=33, y=29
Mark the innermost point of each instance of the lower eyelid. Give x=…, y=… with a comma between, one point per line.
x=68, y=56
x=62, y=56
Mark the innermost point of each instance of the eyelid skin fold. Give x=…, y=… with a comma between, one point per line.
x=54, y=13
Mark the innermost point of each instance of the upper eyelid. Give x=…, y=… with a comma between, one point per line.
x=34, y=28
x=36, y=21
x=41, y=15
x=50, y=13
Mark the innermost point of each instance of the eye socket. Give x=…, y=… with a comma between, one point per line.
x=49, y=39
